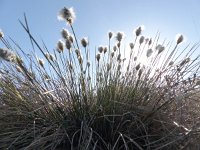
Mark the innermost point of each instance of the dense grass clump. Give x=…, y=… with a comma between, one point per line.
x=76, y=99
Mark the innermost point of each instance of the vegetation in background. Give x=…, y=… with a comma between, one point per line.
x=113, y=101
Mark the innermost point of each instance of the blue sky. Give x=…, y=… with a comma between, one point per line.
x=96, y=17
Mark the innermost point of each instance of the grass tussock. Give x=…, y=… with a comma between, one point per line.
x=74, y=98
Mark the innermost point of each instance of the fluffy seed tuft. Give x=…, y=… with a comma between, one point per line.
x=179, y=39
x=141, y=39
x=41, y=62
x=131, y=45
x=110, y=34
x=68, y=43
x=67, y=14
x=100, y=49
x=65, y=33
x=1, y=34
x=137, y=67
x=112, y=54
x=84, y=42
x=7, y=54
x=105, y=49
x=149, y=52
x=98, y=57
x=138, y=31
x=160, y=48
x=120, y=36
x=60, y=46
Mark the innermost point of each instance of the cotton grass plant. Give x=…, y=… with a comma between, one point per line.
x=67, y=99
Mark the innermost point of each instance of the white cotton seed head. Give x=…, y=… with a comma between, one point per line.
x=112, y=54
x=7, y=54
x=108, y=66
x=100, y=49
x=140, y=73
x=171, y=63
x=137, y=67
x=51, y=57
x=68, y=43
x=78, y=53
x=114, y=48
x=150, y=41
x=179, y=38
x=67, y=14
x=131, y=45
x=105, y=49
x=149, y=52
x=80, y=59
x=120, y=36
x=60, y=46
x=118, y=44
x=65, y=33
x=146, y=40
x=185, y=61
x=160, y=48
x=139, y=30
x=1, y=34
x=18, y=69
x=47, y=56
x=119, y=57
x=98, y=56
x=71, y=38
x=41, y=62
x=110, y=34
x=141, y=39
x=84, y=42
